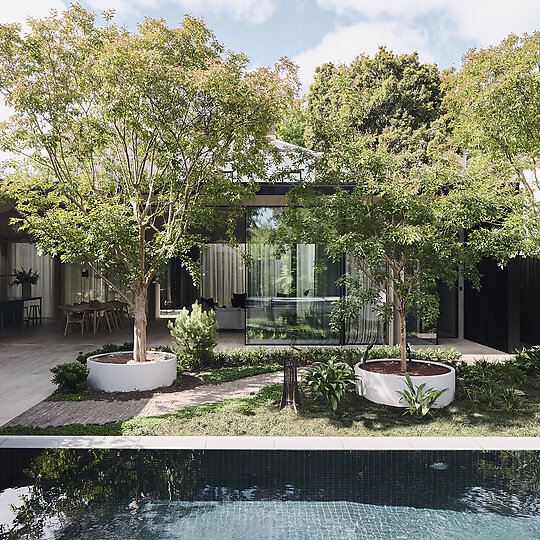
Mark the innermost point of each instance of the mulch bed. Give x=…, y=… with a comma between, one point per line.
x=393, y=367
x=186, y=382
x=124, y=358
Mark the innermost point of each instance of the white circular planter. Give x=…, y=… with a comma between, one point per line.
x=382, y=388
x=128, y=377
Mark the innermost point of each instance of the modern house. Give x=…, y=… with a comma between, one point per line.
x=273, y=297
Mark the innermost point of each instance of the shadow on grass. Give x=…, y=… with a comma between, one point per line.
x=355, y=410
x=355, y=416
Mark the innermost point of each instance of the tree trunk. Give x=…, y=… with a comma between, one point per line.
x=139, y=323
x=403, y=338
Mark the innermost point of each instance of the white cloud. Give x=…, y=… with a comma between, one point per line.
x=121, y=7
x=19, y=12
x=250, y=11
x=486, y=22
x=345, y=44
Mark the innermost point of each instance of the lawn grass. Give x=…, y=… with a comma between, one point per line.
x=226, y=374
x=259, y=415
x=211, y=376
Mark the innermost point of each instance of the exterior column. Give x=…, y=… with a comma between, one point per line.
x=514, y=304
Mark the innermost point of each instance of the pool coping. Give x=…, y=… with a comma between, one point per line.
x=272, y=443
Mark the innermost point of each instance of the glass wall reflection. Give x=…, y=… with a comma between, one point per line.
x=290, y=293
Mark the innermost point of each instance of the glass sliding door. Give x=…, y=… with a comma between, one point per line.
x=176, y=289
x=290, y=294
x=364, y=324
x=223, y=274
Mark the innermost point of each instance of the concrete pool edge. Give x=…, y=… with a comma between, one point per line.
x=272, y=443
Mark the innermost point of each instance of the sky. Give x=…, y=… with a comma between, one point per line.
x=312, y=32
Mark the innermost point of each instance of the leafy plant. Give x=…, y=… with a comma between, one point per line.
x=194, y=335
x=330, y=380
x=24, y=276
x=418, y=398
x=528, y=360
x=70, y=377
x=510, y=399
x=489, y=393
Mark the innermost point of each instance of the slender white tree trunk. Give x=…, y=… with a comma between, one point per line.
x=139, y=323
x=403, y=337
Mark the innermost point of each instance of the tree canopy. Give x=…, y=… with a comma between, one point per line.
x=396, y=98
x=399, y=222
x=128, y=138
x=495, y=100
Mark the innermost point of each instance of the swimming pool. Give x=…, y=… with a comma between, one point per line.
x=269, y=494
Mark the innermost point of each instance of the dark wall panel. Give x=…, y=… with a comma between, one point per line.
x=486, y=310
x=530, y=301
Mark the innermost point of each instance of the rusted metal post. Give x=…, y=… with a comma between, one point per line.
x=290, y=395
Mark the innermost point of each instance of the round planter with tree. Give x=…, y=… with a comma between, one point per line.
x=118, y=372
x=381, y=380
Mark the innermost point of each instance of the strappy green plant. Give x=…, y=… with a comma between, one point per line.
x=330, y=380
x=418, y=398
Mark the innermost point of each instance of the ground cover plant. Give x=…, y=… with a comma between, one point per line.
x=492, y=399
x=259, y=415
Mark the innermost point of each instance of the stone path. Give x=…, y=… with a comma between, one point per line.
x=63, y=413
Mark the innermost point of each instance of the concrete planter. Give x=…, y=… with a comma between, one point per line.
x=128, y=377
x=382, y=388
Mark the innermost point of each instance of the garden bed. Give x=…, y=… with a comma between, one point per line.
x=259, y=415
x=393, y=367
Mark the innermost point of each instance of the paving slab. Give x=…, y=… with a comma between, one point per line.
x=63, y=413
x=277, y=443
x=376, y=443
x=445, y=443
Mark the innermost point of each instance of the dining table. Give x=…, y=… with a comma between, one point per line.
x=110, y=311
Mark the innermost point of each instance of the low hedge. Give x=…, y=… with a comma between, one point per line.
x=260, y=356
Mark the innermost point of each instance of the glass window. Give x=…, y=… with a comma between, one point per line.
x=289, y=293
x=222, y=273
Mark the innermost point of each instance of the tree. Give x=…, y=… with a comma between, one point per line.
x=495, y=99
x=395, y=198
x=399, y=223
x=396, y=98
x=66, y=483
x=127, y=138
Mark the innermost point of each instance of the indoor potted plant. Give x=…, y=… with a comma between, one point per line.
x=26, y=278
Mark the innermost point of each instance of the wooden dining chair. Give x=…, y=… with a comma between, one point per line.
x=74, y=318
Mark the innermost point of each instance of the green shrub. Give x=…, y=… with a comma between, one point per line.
x=419, y=398
x=528, y=360
x=313, y=355
x=194, y=335
x=70, y=378
x=330, y=380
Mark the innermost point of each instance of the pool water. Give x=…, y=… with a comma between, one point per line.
x=152, y=494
